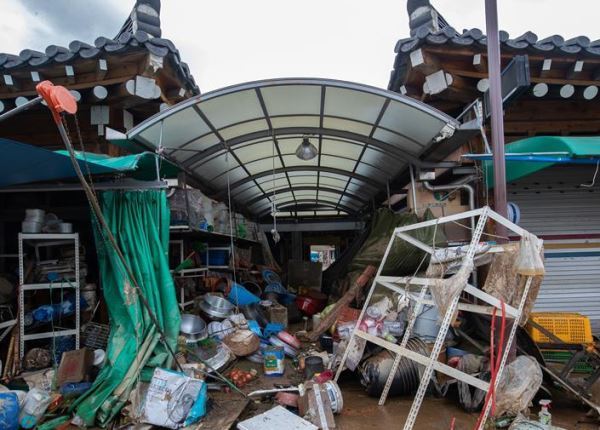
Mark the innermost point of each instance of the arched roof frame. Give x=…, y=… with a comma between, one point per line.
x=239, y=137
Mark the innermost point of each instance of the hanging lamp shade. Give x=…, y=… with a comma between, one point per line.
x=306, y=150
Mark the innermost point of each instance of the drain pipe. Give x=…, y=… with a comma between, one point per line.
x=462, y=184
x=465, y=186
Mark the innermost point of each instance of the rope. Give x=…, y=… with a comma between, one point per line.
x=231, y=242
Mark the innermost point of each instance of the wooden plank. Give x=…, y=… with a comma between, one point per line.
x=225, y=411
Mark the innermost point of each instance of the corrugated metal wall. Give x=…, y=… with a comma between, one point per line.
x=572, y=283
x=553, y=203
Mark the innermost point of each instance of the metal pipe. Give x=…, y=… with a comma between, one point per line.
x=493, y=48
x=471, y=192
x=456, y=186
x=413, y=188
x=21, y=108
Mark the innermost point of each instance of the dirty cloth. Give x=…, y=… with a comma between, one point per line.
x=139, y=220
x=504, y=283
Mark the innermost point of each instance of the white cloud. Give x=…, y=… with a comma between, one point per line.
x=232, y=41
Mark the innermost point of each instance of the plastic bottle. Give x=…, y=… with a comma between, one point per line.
x=545, y=417
x=35, y=405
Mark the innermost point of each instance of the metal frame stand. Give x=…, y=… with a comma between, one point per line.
x=39, y=240
x=401, y=284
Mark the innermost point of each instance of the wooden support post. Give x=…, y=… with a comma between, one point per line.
x=99, y=93
x=70, y=73
x=546, y=67
x=36, y=76
x=480, y=63
x=176, y=93
x=76, y=94
x=424, y=62
x=590, y=92
x=567, y=91
x=540, y=90
x=101, y=69
x=483, y=85
x=575, y=70
x=20, y=101
x=153, y=65
x=11, y=83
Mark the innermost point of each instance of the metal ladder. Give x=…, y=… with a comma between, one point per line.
x=431, y=363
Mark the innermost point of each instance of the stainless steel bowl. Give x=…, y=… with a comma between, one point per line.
x=216, y=307
x=193, y=328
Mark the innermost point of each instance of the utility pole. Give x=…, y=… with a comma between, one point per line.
x=494, y=67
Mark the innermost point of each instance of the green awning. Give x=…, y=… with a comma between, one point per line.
x=25, y=164
x=141, y=166
x=542, y=152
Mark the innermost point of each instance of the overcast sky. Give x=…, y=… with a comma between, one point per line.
x=231, y=41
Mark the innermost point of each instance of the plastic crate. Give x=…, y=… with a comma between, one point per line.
x=568, y=327
x=557, y=356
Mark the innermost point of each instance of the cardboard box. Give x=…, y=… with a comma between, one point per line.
x=75, y=366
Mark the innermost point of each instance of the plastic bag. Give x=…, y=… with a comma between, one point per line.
x=530, y=261
x=518, y=385
x=9, y=411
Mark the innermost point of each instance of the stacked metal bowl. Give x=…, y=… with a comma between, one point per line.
x=215, y=307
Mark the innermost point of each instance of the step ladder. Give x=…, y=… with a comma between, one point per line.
x=400, y=285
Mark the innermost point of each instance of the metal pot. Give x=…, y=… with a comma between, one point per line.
x=31, y=227
x=36, y=215
x=193, y=328
x=65, y=227
x=216, y=307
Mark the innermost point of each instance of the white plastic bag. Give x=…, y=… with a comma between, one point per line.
x=519, y=382
x=530, y=261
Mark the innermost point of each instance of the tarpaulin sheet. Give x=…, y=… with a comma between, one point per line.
x=139, y=220
x=22, y=164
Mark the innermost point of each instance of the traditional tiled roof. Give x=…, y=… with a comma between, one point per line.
x=428, y=27
x=141, y=30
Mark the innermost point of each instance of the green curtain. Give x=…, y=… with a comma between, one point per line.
x=139, y=220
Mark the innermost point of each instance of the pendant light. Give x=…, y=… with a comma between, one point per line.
x=306, y=150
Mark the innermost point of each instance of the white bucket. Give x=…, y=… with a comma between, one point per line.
x=427, y=323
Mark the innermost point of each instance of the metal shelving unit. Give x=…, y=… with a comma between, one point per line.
x=37, y=241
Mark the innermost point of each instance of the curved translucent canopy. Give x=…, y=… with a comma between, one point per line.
x=244, y=138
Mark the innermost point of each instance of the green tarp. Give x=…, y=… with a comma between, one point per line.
x=403, y=258
x=571, y=147
x=139, y=220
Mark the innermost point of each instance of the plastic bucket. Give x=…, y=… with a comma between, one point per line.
x=427, y=323
x=240, y=296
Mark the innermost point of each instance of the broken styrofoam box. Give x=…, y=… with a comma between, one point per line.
x=276, y=419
